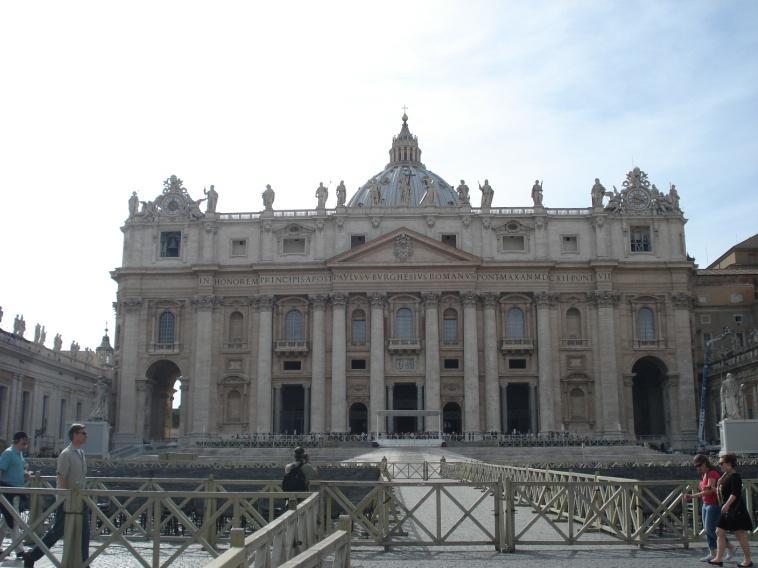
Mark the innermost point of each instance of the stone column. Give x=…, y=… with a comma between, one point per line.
x=504, y=408
x=608, y=381
x=308, y=409
x=470, y=364
x=432, y=338
x=376, y=374
x=318, y=371
x=685, y=428
x=184, y=406
x=128, y=432
x=390, y=404
x=339, y=355
x=263, y=392
x=15, y=404
x=420, y=406
x=547, y=377
x=533, y=410
x=201, y=395
x=277, y=428
x=491, y=378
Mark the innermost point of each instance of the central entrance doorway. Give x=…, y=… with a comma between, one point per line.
x=518, y=408
x=649, y=396
x=162, y=420
x=404, y=397
x=292, y=419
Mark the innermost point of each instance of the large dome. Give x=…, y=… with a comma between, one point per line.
x=405, y=181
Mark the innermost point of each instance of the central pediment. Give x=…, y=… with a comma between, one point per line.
x=403, y=247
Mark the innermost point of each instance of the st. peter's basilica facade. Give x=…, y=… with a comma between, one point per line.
x=406, y=296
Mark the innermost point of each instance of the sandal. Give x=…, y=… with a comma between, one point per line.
x=748, y=565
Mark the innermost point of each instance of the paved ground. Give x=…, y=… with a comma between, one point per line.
x=606, y=555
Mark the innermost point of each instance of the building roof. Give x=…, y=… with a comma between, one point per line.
x=750, y=243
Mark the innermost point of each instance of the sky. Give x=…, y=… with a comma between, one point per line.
x=100, y=99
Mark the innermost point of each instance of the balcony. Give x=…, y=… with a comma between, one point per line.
x=235, y=346
x=574, y=343
x=164, y=348
x=404, y=345
x=649, y=343
x=287, y=346
x=517, y=345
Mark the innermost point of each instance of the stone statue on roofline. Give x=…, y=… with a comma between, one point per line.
x=429, y=199
x=212, y=196
x=133, y=205
x=341, y=194
x=405, y=188
x=19, y=326
x=537, y=193
x=37, y=331
x=730, y=398
x=1, y=314
x=463, y=193
x=268, y=198
x=598, y=192
x=487, y=194
x=375, y=194
x=42, y=336
x=322, y=193
x=57, y=342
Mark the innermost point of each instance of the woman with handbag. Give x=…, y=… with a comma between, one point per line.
x=734, y=515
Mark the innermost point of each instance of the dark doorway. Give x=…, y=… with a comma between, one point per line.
x=648, y=395
x=404, y=398
x=292, y=419
x=518, y=415
x=161, y=382
x=451, y=418
x=358, y=418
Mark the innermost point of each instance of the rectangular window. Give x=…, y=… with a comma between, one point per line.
x=517, y=363
x=450, y=240
x=239, y=247
x=705, y=319
x=357, y=240
x=640, y=239
x=358, y=331
x=569, y=243
x=450, y=331
x=358, y=364
x=292, y=365
x=738, y=319
x=62, y=418
x=450, y=364
x=170, y=244
x=293, y=246
x=513, y=243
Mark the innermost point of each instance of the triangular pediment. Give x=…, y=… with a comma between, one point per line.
x=403, y=247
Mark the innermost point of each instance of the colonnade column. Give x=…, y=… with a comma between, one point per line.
x=547, y=379
x=376, y=373
x=15, y=404
x=606, y=301
x=126, y=422
x=470, y=364
x=686, y=425
x=432, y=336
x=491, y=375
x=263, y=392
x=201, y=396
x=318, y=374
x=339, y=353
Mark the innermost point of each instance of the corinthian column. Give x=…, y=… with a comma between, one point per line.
x=200, y=390
x=263, y=392
x=685, y=393
x=547, y=378
x=127, y=431
x=339, y=380
x=318, y=374
x=376, y=374
x=491, y=381
x=606, y=301
x=432, y=337
x=470, y=364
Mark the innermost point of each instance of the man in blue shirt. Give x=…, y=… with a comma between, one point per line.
x=13, y=473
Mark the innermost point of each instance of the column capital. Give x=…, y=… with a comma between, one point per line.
x=604, y=297
x=318, y=301
x=264, y=302
x=338, y=298
x=682, y=300
x=546, y=298
x=132, y=304
x=205, y=302
x=377, y=298
x=489, y=299
x=469, y=297
x=431, y=299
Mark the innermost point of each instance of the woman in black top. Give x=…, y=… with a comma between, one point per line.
x=734, y=515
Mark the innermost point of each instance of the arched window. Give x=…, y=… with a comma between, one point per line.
x=573, y=324
x=577, y=404
x=236, y=329
x=404, y=324
x=358, y=327
x=234, y=406
x=166, y=328
x=646, y=324
x=293, y=326
x=514, y=324
x=450, y=326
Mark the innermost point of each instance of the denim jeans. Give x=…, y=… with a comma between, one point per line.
x=55, y=533
x=711, y=514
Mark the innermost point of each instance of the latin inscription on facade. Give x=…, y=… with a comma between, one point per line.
x=405, y=363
